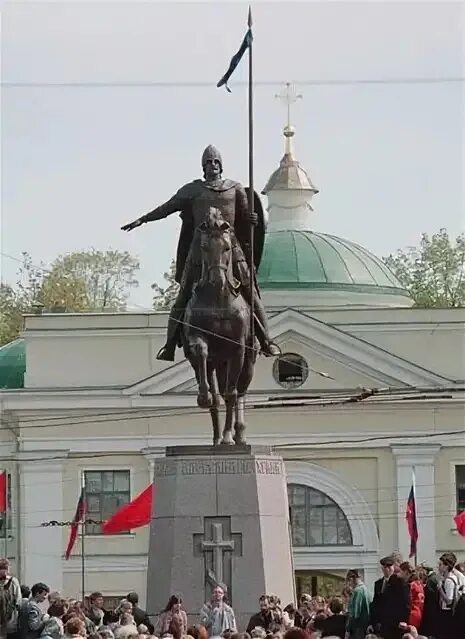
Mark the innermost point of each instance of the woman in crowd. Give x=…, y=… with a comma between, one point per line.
x=54, y=628
x=417, y=593
x=173, y=619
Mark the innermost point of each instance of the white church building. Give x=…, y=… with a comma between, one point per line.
x=84, y=394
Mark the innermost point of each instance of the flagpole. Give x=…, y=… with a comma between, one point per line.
x=416, y=513
x=5, y=525
x=251, y=186
x=83, y=537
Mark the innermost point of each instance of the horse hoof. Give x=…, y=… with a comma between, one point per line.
x=239, y=430
x=217, y=442
x=204, y=401
x=227, y=440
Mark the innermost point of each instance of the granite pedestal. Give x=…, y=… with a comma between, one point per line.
x=220, y=516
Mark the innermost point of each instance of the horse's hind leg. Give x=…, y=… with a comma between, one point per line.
x=243, y=384
x=215, y=401
x=239, y=424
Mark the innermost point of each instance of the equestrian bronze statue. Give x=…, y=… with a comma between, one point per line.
x=199, y=202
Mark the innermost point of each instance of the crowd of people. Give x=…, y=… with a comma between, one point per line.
x=408, y=603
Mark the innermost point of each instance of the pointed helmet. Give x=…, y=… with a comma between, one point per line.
x=211, y=153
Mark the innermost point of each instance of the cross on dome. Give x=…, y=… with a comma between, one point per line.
x=288, y=96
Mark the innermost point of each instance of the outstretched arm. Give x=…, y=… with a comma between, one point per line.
x=176, y=203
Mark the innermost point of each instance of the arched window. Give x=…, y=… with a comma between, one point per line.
x=316, y=520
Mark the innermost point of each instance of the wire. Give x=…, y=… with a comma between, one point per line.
x=167, y=84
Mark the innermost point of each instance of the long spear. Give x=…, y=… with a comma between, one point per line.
x=251, y=197
x=247, y=44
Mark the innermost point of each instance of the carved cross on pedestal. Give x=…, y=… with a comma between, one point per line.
x=288, y=96
x=218, y=545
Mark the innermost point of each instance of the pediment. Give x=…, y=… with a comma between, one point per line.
x=348, y=360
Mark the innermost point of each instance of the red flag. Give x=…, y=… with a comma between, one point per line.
x=133, y=515
x=3, y=491
x=460, y=523
x=411, y=517
x=78, y=518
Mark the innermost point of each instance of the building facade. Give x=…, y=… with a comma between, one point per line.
x=369, y=390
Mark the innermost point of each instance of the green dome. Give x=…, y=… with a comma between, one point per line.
x=12, y=364
x=307, y=260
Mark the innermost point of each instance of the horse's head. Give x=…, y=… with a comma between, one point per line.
x=216, y=248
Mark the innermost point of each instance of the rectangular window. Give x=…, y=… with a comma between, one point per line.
x=106, y=492
x=460, y=485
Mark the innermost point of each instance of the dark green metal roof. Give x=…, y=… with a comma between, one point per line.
x=12, y=364
x=304, y=259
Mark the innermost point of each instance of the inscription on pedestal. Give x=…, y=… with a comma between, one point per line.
x=218, y=545
x=219, y=467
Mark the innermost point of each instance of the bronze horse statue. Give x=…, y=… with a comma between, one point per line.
x=216, y=334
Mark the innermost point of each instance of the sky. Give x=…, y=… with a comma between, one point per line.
x=107, y=107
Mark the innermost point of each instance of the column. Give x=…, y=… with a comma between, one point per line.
x=41, y=500
x=421, y=459
x=152, y=454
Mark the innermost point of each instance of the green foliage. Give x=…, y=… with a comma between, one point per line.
x=163, y=298
x=90, y=281
x=434, y=272
x=83, y=281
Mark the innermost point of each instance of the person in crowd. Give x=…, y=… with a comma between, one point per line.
x=430, y=617
x=10, y=601
x=54, y=628
x=316, y=625
x=417, y=593
x=398, y=559
x=200, y=632
x=25, y=591
x=262, y=619
x=140, y=616
x=289, y=613
x=451, y=598
x=95, y=611
x=304, y=613
x=358, y=607
x=391, y=602
x=257, y=633
x=216, y=615
x=75, y=628
x=54, y=596
x=296, y=633
x=127, y=629
x=76, y=609
x=335, y=624
x=106, y=633
x=32, y=618
x=173, y=619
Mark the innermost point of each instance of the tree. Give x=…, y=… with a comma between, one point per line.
x=90, y=281
x=163, y=298
x=76, y=282
x=434, y=272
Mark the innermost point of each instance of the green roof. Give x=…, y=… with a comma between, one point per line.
x=12, y=364
x=304, y=259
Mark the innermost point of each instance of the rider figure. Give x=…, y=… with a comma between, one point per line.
x=194, y=200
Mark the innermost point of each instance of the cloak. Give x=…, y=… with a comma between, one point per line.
x=186, y=237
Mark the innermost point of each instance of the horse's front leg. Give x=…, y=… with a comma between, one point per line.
x=215, y=401
x=200, y=350
x=234, y=368
x=230, y=399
